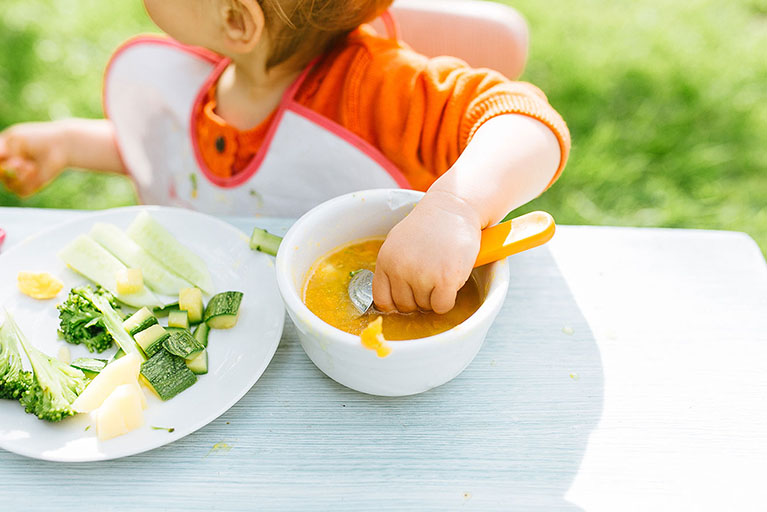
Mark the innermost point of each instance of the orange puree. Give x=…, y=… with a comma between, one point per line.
x=325, y=294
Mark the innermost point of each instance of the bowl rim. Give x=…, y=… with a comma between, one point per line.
x=493, y=300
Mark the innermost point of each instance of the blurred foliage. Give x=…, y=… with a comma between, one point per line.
x=667, y=106
x=666, y=102
x=52, y=57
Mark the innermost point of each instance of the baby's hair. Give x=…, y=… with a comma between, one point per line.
x=299, y=30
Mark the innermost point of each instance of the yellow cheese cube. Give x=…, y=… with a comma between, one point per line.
x=129, y=281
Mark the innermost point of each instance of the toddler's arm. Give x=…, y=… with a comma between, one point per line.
x=32, y=154
x=428, y=256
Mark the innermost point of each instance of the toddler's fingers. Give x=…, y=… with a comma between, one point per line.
x=402, y=295
x=443, y=299
x=382, y=292
x=21, y=178
x=4, y=153
x=422, y=296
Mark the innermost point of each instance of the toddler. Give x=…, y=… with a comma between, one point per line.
x=273, y=106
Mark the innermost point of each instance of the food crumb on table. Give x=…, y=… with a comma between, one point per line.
x=220, y=447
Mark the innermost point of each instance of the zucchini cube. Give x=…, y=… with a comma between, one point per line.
x=178, y=319
x=181, y=343
x=190, y=300
x=167, y=374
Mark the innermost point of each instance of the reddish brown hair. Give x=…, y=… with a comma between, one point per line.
x=299, y=30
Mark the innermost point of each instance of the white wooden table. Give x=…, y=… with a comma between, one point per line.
x=627, y=371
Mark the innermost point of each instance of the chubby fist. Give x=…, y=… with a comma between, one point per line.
x=428, y=256
x=31, y=155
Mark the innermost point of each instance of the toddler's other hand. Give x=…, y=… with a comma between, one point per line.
x=428, y=256
x=31, y=155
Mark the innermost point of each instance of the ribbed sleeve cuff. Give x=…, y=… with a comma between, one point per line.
x=513, y=103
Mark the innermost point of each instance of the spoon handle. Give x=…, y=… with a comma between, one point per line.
x=513, y=236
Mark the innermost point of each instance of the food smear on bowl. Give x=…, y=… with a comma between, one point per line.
x=372, y=338
x=325, y=293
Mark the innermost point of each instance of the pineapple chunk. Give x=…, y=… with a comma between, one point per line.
x=190, y=300
x=123, y=371
x=120, y=413
x=129, y=281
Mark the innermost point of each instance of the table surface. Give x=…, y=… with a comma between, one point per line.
x=626, y=371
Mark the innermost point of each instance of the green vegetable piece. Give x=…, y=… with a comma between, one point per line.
x=181, y=343
x=199, y=365
x=54, y=385
x=81, y=322
x=89, y=366
x=263, y=241
x=113, y=323
x=120, y=352
x=190, y=300
x=14, y=381
x=178, y=319
x=201, y=334
x=167, y=374
x=140, y=320
x=223, y=310
x=165, y=310
x=151, y=339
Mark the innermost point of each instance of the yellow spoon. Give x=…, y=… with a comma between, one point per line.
x=497, y=242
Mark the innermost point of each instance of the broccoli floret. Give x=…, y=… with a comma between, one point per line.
x=81, y=322
x=54, y=385
x=13, y=379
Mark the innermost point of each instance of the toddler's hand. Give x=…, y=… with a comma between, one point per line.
x=31, y=155
x=428, y=256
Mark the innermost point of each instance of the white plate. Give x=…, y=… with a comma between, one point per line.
x=237, y=357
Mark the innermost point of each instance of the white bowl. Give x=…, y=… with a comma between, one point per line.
x=414, y=366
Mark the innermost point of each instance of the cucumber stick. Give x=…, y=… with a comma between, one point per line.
x=156, y=276
x=88, y=258
x=161, y=244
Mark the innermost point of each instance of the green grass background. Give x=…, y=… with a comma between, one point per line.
x=666, y=102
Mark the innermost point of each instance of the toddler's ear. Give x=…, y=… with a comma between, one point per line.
x=243, y=24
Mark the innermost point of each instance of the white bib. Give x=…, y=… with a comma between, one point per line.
x=151, y=90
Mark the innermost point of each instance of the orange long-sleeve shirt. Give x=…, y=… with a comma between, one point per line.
x=419, y=112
